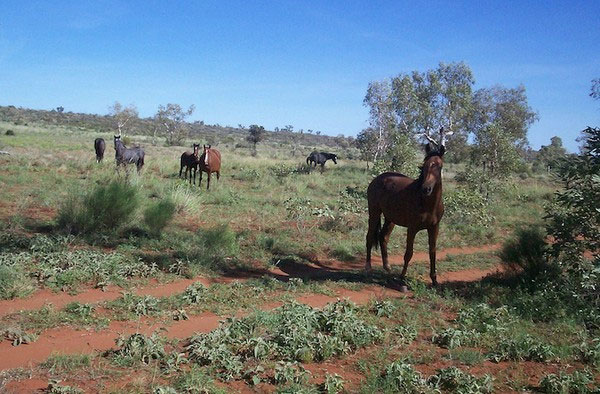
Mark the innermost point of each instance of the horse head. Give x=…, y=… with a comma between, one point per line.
x=334, y=158
x=196, y=149
x=431, y=171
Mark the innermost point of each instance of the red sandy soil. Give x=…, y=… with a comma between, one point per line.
x=66, y=340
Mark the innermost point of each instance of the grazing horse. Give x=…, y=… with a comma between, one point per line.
x=124, y=155
x=412, y=203
x=99, y=146
x=209, y=162
x=320, y=158
x=189, y=160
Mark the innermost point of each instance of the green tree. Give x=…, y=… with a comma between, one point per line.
x=426, y=102
x=433, y=105
x=501, y=119
x=379, y=101
x=366, y=142
x=122, y=116
x=256, y=134
x=170, y=121
x=548, y=155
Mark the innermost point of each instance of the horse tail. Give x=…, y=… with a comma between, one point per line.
x=307, y=159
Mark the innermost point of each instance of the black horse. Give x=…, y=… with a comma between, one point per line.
x=100, y=146
x=320, y=158
x=189, y=160
x=124, y=155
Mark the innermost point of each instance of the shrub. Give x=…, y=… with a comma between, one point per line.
x=138, y=348
x=467, y=206
x=564, y=383
x=404, y=378
x=9, y=132
x=14, y=282
x=104, y=209
x=590, y=353
x=333, y=384
x=158, y=215
x=454, y=380
x=526, y=252
x=524, y=348
x=451, y=338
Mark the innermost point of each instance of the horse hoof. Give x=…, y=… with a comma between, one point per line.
x=403, y=289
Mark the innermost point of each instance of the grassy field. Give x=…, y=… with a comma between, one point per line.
x=275, y=251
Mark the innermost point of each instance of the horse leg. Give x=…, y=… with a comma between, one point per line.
x=208, y=181
x=200, y=177
x=218, y=175
x=410, y=240
x=181, y=169
x=384, y=237
x=372, y=235
x=433, y=235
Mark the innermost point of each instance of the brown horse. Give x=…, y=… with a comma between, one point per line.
x=209, y=162
x=412, y=203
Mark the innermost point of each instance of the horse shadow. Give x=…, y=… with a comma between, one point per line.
x=317, y=271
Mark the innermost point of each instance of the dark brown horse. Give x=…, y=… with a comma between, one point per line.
x=209, y=162
x=99, y=146
x=189, y=160
x=412, y=203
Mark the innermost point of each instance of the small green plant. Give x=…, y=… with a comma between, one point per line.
x=576, y=383
x=452, y=338
x=80, y=310
x=290, y=372
x=158, y=215
x=521, y=349
x=383, y=308
x=18, y=336
x=140, y=305
x=61, y=363
x=139, y=348
x=404, y=334
x=404, y=378
x=333, y=384
x=589, y=353
x=9, y=132
x=54, y=387
x=194, y=293
x=14, y=283
x=454, y=380
x=196, y=381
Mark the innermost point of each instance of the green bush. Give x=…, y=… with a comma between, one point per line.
x=14, y=282
x=105, y=209
x=454, y=380
x=564, y=383
x=158, y=215
x=526, y=252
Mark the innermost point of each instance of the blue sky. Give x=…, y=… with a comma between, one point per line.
x=304, y=63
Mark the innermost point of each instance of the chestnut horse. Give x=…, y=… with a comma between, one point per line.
x=209, y=162
x=412, y=203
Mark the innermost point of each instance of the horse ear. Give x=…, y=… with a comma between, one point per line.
x=209, y=146
x=427, y=148
x=442, y=150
